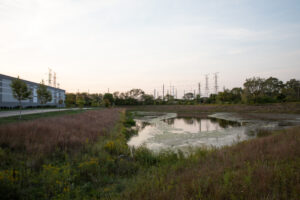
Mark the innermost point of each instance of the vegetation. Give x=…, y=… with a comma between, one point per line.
x=204, y=109
x=20, y=92
x=69, y=157
x=85, y=156
x=108, y=99
x=263, y=168
x=43, y=94
x=6, y=120
x=256, y=91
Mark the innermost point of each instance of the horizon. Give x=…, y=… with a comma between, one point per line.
x=96, y=45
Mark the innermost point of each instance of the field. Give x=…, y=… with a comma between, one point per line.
x=85, y=156
x=194, y=110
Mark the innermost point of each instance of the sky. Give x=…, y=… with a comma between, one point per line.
x=96, y=45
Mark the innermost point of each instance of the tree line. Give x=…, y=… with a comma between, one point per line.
x=21, y=91
x=255, y=91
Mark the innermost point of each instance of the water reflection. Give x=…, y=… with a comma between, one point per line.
x=193, y=125
x=170, y=132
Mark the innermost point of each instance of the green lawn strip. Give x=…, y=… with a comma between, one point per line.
x=5, y=120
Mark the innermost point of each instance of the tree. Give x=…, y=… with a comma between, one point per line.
x=44, y=95
x=188, y=96
x=108, y=99
x=253, y=89
x=20, y=92
x=70, y=99
x=60, y=102
x=291, y=90
x=80, y=101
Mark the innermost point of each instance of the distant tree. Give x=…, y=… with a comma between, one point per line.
x=253, y=89
x=108, y=99
x=20, y=92
x=70, y=99
x=148, y=99
x=80, y=101
x=44, y=95
x=188, y=96
x=291, y=90
x=60, y=102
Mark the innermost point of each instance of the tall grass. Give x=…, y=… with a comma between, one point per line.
x=263, y=168
x=64, y=133
x=85, y=156
x=191, y=110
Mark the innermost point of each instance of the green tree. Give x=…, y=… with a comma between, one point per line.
x=70, y=99
x=44, y=95
x=291, y=90
x=80, y=101
x=60, y=102
x=253, y=90
x=20, y=92
x=108, y=99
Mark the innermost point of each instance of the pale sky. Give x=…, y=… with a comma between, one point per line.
x=122, y=44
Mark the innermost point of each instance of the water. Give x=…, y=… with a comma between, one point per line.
x=169, y=132
x=166, y=131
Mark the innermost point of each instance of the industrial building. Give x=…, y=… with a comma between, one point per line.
x=8, y=101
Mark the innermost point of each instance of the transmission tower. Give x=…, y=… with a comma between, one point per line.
x=54, y=79
x=163, y=97
x=206, y=85
x=199, y=89
x=216, y=82
x=50, y=77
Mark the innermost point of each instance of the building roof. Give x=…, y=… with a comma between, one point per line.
x=10, y=77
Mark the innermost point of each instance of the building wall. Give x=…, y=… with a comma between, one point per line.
x=7, y=99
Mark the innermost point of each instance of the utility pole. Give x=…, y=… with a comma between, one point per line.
x=199, y=89
x=173, y=91
x=176, y=93
x=154, y=94
x=49, y=77
x=54, y=79
x=194, y=94
x=206, y=85
x=163, y=92
x=216, y=82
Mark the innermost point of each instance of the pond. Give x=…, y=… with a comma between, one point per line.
x=167, y=131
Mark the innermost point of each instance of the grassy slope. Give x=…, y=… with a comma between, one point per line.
x=263, y=168
x=76, y=165
x=192, y=110
x=66, y=157
x=5, y=120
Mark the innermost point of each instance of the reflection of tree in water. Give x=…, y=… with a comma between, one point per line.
x=142, y=125
x=213, y=120
x=169, y=121
x=223, y=123
x=226, y=124
x=188, y=120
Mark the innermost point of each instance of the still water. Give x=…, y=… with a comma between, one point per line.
x=166, y=131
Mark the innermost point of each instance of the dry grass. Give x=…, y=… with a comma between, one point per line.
x=192, y=110
x=64, y=133
x=264, y=168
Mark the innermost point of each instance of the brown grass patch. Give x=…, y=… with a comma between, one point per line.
x=191, y=110
x=64, y=133
x=263, y=168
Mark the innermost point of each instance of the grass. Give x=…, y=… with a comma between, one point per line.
x=263, y=168
x=85, y=156
x=203, y=109
x=5, y=120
